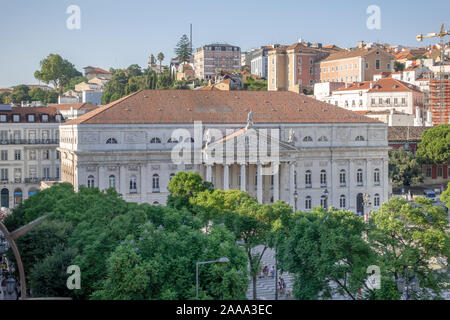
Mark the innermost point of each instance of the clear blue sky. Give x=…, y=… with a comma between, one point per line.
x=117, y=33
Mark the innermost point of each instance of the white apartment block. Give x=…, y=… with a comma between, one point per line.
x=29, y=137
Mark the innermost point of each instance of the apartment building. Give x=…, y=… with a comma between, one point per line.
x=210, y=59
x=386, y=94
x=440, y=114
x=295, y=67
x=355, y=65
x=29, y=137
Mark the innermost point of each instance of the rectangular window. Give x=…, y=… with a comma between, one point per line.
x=377, y=64
x=32, y=154
x=439, y=171
x=46, y=173
x=3, y=117
x=16, y=118
x=4, y=175
x=30, y=118
x=17, y=155
x=4, y=155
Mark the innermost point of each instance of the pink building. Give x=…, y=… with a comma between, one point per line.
x=210, y=59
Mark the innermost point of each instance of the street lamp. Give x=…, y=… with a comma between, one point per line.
x=221, y=260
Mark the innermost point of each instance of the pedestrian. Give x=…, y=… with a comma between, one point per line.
x=266, y=271
x=272, y=272
x=283, y=283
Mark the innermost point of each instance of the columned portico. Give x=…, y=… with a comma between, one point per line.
x=208, y=173
x=243, y=177
x=291, y=184
x=226, y=177
x=259, y=187
x=276, y=182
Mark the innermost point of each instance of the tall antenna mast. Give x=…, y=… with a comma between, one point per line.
x=191, y=37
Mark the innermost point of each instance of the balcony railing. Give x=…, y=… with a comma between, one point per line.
x=28, y=141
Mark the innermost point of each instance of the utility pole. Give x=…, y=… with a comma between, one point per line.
x=441, y=35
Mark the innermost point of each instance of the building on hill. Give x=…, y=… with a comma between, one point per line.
x=73, y=110
x=319, y=154
x=355, y=65
x=94, y=72
x=29, y=137
x=212, y=58
x=296, y=67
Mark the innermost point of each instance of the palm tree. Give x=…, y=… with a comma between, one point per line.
x=160, y=59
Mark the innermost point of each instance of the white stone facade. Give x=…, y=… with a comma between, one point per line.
x=346, y=160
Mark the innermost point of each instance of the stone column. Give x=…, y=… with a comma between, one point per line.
x=291, y=184
x=351, y=183
x=259, y=188
x=143, y=182
x=208, y=173
x=276, y=182
x=102, y=185
x=243, y=178
x=226, y=177
x=123, y=180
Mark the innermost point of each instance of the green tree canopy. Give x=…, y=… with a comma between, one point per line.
x=435, y=145
x=57, y=71
x=20, y=93
x=184, y=186
x=404, y=169
x=183, y=49
x=411, y=241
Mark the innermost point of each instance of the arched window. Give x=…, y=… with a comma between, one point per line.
x=91, y=182
x=155, y=140
x=360, y=138
x=171, y=176
x=359, y=177
x=155, y=183
x=342, y=178
x=376, y=200
x=112, y=181
x=133, y=184
x=18, y=196
x=376, y=176
x=155, y=203
x=190, y=139
x=323, y=139
x=308, y=179
x=342, y=202
x=323, y=202
x=307, y=139
x=111, y=141
x=172, y=140
x=323, y=178
x=308, y=203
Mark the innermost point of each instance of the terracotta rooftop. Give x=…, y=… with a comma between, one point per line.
x=77, y=106
x=405, y=133
x=388, y=84
x=187, y=106
x=345, y=54
x=37, y=111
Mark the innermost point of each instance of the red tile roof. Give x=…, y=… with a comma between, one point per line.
x=76, y=106
x=388, y=84
x=187, y=106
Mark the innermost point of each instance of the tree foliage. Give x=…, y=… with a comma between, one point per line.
x=404, y=169
x=183, y=49
x=435, y=145
x=57, y=71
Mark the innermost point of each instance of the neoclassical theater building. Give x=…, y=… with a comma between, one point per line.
x=274, y=145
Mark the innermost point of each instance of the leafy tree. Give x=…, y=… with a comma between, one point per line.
x=57, y=71
x=326, y=247
x=435, y=145
x=164, y=82
x=49, y=276
x=404, y=170
x=445, y=197
x=74, y=81
x=183, y=49
x=398, y=66
x=184, y=186
x=160, y=264
x=408, y=239
x=20, y=93
x=160, y=59
x=134, y=70
x=251, y=222
x=4, y=97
